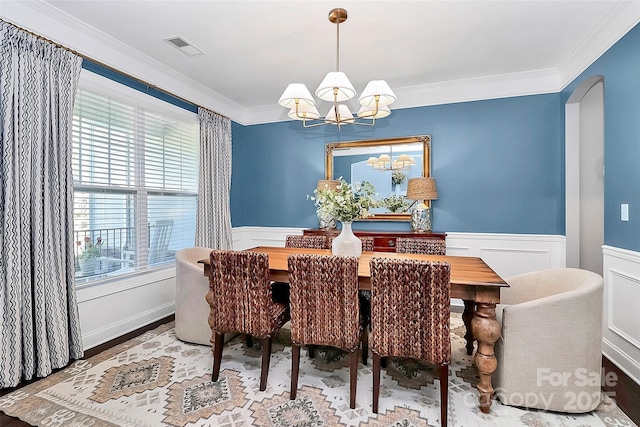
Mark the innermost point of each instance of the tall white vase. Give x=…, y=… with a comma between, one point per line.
x=347, y=243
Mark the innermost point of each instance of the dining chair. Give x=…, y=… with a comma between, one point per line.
x=324, y=310
x=408, y=245
x=367, y=243
x=418, y=325
x=240, y=300
x=281, y=289
x=312, y=242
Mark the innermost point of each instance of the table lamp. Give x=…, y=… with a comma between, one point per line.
x=421, y=189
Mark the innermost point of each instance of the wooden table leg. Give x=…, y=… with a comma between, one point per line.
x=467, y=316
x=486, y=330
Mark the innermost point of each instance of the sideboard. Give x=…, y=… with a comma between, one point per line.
x=383, y=241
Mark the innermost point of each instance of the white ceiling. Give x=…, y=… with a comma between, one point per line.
x=428, y=51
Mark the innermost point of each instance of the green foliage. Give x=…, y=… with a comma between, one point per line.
x=347, y=203
x=396, y=204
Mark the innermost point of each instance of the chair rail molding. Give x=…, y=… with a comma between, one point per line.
x=620, y=326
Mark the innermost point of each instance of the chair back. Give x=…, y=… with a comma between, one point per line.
x=309, y=242
x=409, y=245
x=240, y=294
x=159, y=241
x=410, y=309
x=367, y=243
x=324, y=300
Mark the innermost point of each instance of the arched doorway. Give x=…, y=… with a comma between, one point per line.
x=584, y=173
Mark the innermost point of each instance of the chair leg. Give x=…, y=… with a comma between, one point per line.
x=217, y=355
x=311, y=350
x=444, y=394
x=248, y=340
x=266, y=358
x=365, y=345
x=295, y=370
x=353, y=377
x=376, y=381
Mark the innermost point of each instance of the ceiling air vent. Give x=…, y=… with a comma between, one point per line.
x=184, y=46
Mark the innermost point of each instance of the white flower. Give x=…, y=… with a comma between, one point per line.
x=347, y=203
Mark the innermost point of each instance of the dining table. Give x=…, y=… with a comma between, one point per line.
x=471, y=280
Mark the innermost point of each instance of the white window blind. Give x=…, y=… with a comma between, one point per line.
x=135, y=172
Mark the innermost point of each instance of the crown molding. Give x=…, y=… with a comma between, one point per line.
x=622, y=17
x=42, y=18
x=49, y=22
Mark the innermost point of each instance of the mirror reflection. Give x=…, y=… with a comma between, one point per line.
x=388, y=164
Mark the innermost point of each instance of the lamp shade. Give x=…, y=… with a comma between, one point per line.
x=377, y=88
x=366, y=112
x=339, y=80
x=331, y=184
x=296, y=91
x=343, y=111
x=422, y=189
x=304, y=113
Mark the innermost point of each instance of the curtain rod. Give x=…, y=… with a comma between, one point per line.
x=108, y=67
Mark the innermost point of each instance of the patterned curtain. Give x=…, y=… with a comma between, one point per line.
x=213, y=219
x=39, y=322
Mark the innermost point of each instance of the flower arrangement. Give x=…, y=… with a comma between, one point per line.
x=395, y=203
x=90, y=249
x=398, y=178
x=347, y=202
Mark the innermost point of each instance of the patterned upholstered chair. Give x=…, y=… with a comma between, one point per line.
x=367, y=243
x=240, y=300
x=408, y=245
x=313, y=242
x=418, y=327
x=324, y=309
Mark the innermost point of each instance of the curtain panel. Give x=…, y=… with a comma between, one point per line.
x=213, y=217
x=39, y=321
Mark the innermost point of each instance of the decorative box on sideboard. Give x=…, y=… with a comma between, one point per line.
x=383, y=241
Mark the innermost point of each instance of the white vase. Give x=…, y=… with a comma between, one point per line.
x=347, y=243
x=88, y=265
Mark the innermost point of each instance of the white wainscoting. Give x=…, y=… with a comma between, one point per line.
x=109, y=310
x=621, y=318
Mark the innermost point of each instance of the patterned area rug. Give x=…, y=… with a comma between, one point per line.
x=157, y=380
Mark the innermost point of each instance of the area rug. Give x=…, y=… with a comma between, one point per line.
x=156, y=380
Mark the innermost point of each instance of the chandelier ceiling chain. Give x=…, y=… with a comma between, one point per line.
x=335, y=88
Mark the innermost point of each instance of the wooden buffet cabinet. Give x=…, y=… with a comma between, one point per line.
x=383, y=241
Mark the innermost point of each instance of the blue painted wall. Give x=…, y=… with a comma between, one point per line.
x=620, y=66
x=499, y=163
x=499, y=166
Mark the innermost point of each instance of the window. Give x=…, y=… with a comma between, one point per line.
x=135, y=175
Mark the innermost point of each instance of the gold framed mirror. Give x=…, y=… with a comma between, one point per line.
x=387, y=164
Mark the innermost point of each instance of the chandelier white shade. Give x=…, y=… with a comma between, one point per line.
x=338, y=82
x=296, y=93
x=386, y=163
x=377, y=88
x=336, y=88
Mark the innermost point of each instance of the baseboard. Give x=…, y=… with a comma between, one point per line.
x=117, y=329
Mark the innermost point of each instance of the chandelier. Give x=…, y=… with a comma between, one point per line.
x=386, y=163
x=336, y=88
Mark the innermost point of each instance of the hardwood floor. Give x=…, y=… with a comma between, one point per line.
x=6, y=421
x=620, y=387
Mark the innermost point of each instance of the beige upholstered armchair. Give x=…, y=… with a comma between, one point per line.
x=549, y=356
x=192, y=309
